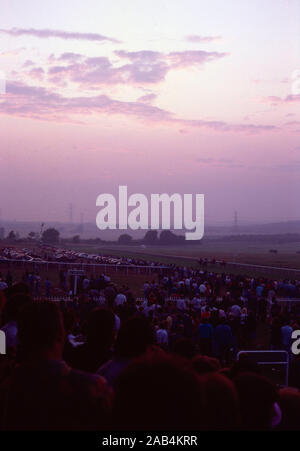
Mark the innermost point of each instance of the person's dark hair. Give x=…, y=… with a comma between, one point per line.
x=100, y=327
x=69, y=320
x=18, y=288
x=219, y=403
x=289, y=402
x=135, y=335
x=244, y=365
x=203, y=364
x=257, y=397
x=14, y=306
x=157, y=391
x=225, y=372
x=185, y=347
x=40, y=326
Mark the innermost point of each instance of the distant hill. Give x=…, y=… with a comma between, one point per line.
x=89, y=230
x=273, y=228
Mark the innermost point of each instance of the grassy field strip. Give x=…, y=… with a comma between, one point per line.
x=186, y=257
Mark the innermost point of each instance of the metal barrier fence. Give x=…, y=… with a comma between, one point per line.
x=275, y=268
x=90, y=267
x=289, y=302
x=276, y=363
x=53, y=298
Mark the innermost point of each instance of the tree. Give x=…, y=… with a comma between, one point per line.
x=76, y=239
x=12, y=236
x=51, y=236
x=125, y=239
x=31, y=235
x=168, y=237
x=151, y=237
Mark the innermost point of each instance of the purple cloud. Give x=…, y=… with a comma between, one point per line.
x=37, y=73
x=143, y=67
x=219, y=162
x=193, y=57
x=14, y=52
x=293, y=123
x=197, y=38
x=273, y=99
x=142, y=55
x=292, y=166
x=57, y=34
x=69, y=57
x=175, y=59
x=224, y=126
x=38, y=102
x=292, y=98
x=140, y=72
x=91, y=72
x=28, y=63
x=279, y=100
x=96, y=71
x=147, y=98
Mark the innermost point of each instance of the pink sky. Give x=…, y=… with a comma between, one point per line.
x=188, y=97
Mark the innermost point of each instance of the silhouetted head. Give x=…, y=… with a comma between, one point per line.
x=289, y=402
x=69, y=320
x=220, y=406
x=157, y=392
x=185, y=347
x=203, y=364
x=244, y=365
x=258, y=397
x=100, y=327
x=41, y=330
x=135, y=335
x=15, y=305
x=18, y=288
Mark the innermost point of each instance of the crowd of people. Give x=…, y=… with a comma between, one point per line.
x=166, y=360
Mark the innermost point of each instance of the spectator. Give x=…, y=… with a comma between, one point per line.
x=48, y=288
x=223, y=336
x=135, y=336
x=46, y=394
x=219, y=403
x=11, y=313
x=286, y=336
x=99, y=340
x=164, y=389
x=162, y=338
x=289, y=402
x=120, y=299
x=205, y=333
x=258, y=402
x=203, y=364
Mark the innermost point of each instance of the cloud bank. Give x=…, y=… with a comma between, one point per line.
x=41, y=103
x=46, y=33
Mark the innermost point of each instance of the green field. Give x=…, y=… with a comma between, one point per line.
x=239, y=255
x=230, y=251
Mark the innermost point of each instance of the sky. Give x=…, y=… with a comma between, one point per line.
x=167, y=96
